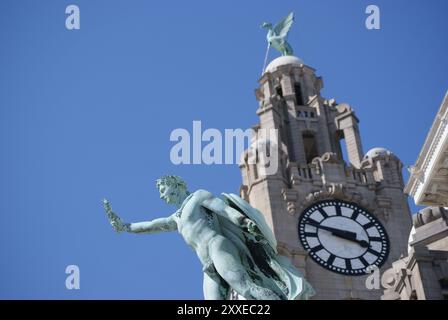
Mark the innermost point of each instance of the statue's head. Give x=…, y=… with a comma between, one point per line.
x=172, y=189
x=266, y=25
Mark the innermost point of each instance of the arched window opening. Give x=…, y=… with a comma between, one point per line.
x=279, y=91
x=298, y=94
x=340, y=140
x=309, y=143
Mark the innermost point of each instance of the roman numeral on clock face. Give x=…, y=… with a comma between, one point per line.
x=348, y=264
x=323, y=213
x=364, y=261
x=317, y=248
x=338, y=210
x=310, y=234
x=355, y=214
x=368, y=225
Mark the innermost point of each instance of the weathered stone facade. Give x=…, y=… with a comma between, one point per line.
x=428, y=184
x=423, y=273
x=312, y=167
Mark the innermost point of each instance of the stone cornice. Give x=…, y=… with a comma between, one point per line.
x=434, y=148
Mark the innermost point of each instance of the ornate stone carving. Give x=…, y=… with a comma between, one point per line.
x=335, y=191
x=427, y=215
x=443, y=171
x=290, y=196
x=329, y=191
x=344, y=108
x=417, y=173
x=328, y=157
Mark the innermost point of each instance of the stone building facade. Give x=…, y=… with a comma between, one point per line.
x=423, y=273
x=313, y=131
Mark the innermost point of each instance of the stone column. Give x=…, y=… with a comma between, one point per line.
x=347, y=122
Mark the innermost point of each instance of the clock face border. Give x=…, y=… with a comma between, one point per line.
x=385, y=243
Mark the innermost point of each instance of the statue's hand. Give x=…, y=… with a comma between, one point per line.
x=114, y=220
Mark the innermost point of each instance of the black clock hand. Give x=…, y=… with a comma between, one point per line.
x=344, y=234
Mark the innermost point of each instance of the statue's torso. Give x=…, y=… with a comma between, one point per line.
x=197, y=225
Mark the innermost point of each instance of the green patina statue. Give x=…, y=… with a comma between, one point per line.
x=237, y=249
x=277, y=35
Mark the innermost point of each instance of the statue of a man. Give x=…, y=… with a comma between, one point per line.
x=235, y=246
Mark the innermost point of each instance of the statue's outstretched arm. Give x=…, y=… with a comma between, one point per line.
x=154, y=226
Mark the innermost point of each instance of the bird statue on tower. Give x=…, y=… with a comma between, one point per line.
x=277, y=36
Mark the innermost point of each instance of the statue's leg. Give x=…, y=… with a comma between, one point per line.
x=213, y=289
x=227, y=261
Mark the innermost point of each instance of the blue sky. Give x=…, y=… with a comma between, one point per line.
x=87, y=114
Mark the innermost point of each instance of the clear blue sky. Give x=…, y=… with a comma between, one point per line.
x=87, y=114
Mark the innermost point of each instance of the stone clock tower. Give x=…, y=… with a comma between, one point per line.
x=336, y=218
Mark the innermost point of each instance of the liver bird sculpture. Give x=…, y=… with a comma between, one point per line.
x=277, y=35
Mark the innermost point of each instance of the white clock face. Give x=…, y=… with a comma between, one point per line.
x=343, y=237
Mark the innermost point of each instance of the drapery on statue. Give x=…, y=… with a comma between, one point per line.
x=232, y=240
x=277, y=35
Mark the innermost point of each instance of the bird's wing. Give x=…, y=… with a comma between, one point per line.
x=281, y=29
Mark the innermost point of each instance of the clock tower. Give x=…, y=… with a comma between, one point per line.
x=336, y=212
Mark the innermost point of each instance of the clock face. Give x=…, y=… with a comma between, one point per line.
x=343, y=237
